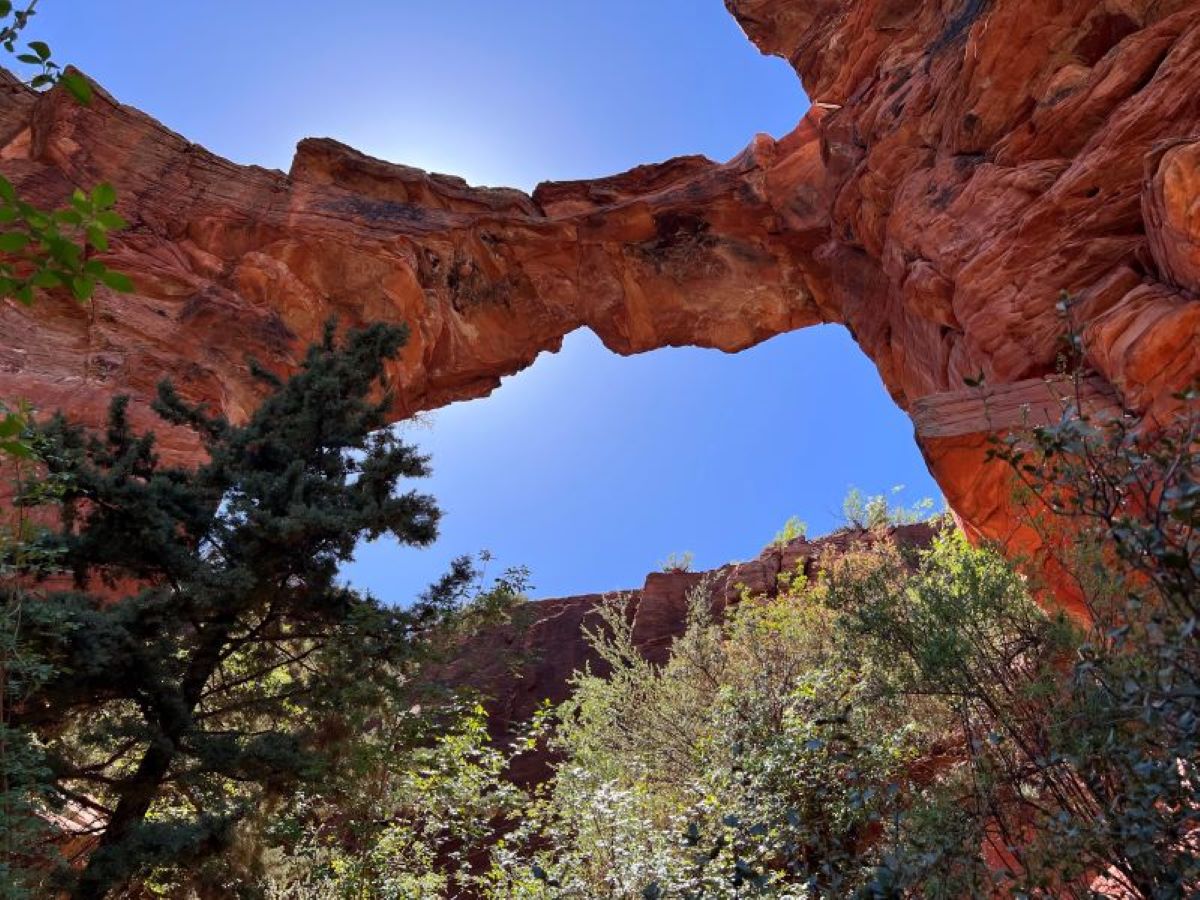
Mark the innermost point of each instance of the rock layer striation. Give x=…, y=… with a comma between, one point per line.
x=963, y=164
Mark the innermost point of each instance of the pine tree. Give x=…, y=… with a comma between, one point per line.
x=217, y=680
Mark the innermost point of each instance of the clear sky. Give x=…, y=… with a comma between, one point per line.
x=588, y=468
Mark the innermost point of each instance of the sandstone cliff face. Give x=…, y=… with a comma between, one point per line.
x=517, y=665
x=965, y=161
x=983, y=156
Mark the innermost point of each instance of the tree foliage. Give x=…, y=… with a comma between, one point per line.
x=417, y=806
x=39, y=250
x=205, y=647
x=908, y=723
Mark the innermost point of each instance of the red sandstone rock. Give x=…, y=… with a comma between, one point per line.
x=518, y=665
x=966, y=161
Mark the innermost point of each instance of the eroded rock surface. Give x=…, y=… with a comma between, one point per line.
x=517, y=665
x=965, y=162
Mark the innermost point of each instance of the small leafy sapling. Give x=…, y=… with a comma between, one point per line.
x=678, y=562
x=213, y=679
x=53, y=249
x=42, y=249
x=13, y=21
x=793, y=528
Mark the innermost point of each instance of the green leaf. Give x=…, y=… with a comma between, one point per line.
x=82, y=287
x=66, y=253
x=41, y=48
x=5, y=8
x=11, y=425
x=111, y=221
x=24, y=294
x=97, y=238
x=78, y=86
x=45, y=279
x=104, y=195
x=35, y=218
x=13, y=242
x=7, y=191
x=117, y=281
x=28, y=58
x=69, y=216
x=80, y=201
x=16, y=448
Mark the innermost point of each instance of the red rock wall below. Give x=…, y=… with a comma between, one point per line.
x=517, y=665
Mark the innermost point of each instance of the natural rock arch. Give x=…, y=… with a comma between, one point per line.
x=965, y=161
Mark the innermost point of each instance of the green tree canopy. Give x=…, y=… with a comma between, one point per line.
x=214, y=676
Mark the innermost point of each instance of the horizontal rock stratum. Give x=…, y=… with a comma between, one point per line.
x=964, y=162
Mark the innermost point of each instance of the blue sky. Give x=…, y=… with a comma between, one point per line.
x=588, y=468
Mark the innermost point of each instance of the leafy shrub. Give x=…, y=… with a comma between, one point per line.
x=876, y=511
x=911, y=723
x=792, y=529
x=749, y=764
x=417, y=801
x=678, y=562
x=1078, y=777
